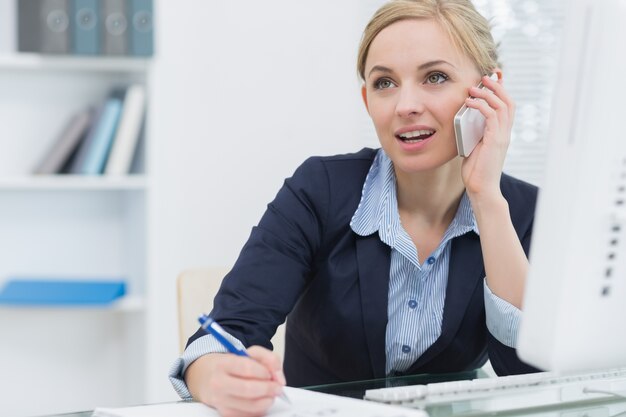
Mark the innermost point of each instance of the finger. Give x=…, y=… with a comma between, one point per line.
x=251, y=407
x=495, y=86
x=490, y=106
x=246, y=368
x=271, y=361
x=482, y=106
x=492, y=99
x=247, y=388
x=492, y=122
x=498, y=89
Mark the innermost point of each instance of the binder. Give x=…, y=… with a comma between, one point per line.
x=115, y=27
x=55, y=27
x=141, y=27
x=28, y=26
x=86, y=25
x=94, y=150
x=128, y=132
x=66, y=143
x=48, y=292
x=43, y=26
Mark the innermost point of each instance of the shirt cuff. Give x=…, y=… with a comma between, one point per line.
x=503, y=318
x=199, y=347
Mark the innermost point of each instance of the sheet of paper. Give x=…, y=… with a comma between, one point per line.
x=304, y=404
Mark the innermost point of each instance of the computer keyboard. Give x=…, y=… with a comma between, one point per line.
x=509, y=392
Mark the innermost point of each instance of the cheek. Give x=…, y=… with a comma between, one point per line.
x=380, y=112
x=448, y=111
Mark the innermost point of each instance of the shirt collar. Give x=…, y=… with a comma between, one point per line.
x=378, y=209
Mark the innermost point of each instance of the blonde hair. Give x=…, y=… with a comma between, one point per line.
x=469, y=31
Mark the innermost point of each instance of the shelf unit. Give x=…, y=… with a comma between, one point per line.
x=129, y=304
x=73, y=182
x=70, y=226
x=37, y=62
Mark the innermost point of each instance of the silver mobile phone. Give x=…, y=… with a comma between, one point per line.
x=469, y=126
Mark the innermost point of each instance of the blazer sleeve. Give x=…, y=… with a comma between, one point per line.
x=276, y=262
x=504, y=359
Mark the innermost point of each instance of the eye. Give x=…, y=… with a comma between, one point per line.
x=436, y=78
x=383, y=84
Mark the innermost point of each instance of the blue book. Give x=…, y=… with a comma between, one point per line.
x=61, y=292
x=86, y=33
x=94, y=151
x=141, y=27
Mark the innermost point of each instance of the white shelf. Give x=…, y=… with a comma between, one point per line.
x=129, y=304
x=38, y=62
x=74, y=182
x=126, y=304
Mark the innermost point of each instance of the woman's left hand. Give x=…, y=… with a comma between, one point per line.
x=481, y=171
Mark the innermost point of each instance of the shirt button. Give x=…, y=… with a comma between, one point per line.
x=412, y=303
x=430, y=260
x=406, y=348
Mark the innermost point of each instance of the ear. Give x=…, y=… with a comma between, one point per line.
x=499, y=73
x=364, y=96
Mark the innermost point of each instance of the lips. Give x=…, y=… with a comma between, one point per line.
x=415, y=134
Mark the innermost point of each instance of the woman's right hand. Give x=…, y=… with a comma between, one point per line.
x=237, y=385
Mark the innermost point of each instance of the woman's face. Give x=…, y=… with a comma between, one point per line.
x=415, y=82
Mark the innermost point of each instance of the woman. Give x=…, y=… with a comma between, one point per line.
x=403, y=260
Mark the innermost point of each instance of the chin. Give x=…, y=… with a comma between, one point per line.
x=423, y=163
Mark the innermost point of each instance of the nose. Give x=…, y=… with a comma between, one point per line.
x=410, y=102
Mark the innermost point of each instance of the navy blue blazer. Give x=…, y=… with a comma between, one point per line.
x=304, y=262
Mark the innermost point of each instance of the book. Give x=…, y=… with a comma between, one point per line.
x=50, y=292
x=128, y=132
x=115, y=22
x=141, y=27
x=304, y=403
x=66, y=143
x=94, y=149
x=55, y=23
x=86, y=27
x=28, y=26
x=43, y=26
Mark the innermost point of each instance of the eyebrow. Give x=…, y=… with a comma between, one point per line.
x=422, y=67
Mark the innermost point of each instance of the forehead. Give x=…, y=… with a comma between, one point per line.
x=413, y=41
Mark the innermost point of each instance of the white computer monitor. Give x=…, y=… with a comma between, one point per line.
x=575, y=301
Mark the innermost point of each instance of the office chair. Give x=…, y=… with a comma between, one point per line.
x=196, y=289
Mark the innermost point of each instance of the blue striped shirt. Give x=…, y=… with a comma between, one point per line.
x=416, y=291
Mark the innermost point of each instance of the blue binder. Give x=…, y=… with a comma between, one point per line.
x=86, y=33
x=141, y=24
x=94, y=151
x=61, y=292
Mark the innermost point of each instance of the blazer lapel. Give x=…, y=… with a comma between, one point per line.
x=373, y=258
x=465, y=270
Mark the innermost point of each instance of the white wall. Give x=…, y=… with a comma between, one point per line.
x=243, y=92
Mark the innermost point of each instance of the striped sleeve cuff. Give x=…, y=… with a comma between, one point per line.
x=199, y=347
x=503, y=318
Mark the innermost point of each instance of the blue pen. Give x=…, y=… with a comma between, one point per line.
x=210, y=326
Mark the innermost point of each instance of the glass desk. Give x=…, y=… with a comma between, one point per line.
x=598, y=408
